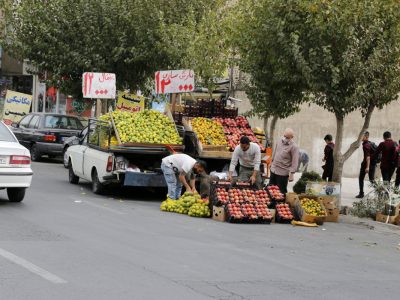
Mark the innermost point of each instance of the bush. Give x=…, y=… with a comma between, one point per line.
x=300, y=186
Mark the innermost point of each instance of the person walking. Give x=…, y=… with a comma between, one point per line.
x=248, y=155
x=175, y=167
x=389, y=155
x=285, y=160
x=328, y=158
x=303, y=161
x=367, y=165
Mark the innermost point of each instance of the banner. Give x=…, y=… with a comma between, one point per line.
x=98, y=85
x=16, y=106
x=176, y=81
x=130, y=102
x=82, y=108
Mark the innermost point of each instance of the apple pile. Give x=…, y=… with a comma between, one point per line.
x=275, y=193
x=222, y=196
x=284, y=211
x=235, y=211
x=262, y=197
x=249, y=211
x=235, y=196
x=262, y=211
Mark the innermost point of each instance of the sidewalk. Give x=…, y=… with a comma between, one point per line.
x=349, y=189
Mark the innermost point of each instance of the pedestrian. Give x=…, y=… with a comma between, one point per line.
x=175, y=167
x=285, y=160
x=389, y=156
x=303, y=161
x=328, y=158
x=368, y=165
x=397, y=181
x=248, y=155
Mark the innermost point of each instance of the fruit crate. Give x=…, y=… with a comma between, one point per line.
x=215, y=185
x=301, y=215
x=275, y=194
x=278, y=216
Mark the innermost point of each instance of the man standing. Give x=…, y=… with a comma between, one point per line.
x=285, y=159
x=249, y=157
x=175, y=167
x=303, y=161
x=368, y=165
x=328, y=158
x=388, y=161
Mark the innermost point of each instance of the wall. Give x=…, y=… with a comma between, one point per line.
x=312, y=123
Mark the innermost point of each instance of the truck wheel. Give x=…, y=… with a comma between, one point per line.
x=16, y=194
x=65, y=157
x=71, y=175
x=35, y=154
x=97, y=187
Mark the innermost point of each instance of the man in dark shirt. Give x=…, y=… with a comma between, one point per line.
x=367, y=165
x=388, y=150
x=328, y=158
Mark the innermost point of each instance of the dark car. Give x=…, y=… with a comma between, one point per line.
x=45, y=133
x=73, y=140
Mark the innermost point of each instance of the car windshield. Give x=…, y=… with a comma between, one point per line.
x=5, y=134
x=62, y=122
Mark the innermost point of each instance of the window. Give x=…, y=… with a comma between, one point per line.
x=62, y=122
x=25, y=121
x=34, y=123
x=5, y=134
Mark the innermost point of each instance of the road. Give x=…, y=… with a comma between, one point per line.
x=63, y=242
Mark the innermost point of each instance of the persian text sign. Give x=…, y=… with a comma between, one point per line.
x=130, y=102
x=98, y=85
x=16, y=106
x=177, y=81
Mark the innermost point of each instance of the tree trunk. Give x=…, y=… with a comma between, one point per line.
x=340, y=158
x=272, y=130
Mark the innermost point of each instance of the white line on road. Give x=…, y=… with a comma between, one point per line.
x=31, y=267
x=103, y=207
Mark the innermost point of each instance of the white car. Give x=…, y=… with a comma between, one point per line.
x=15, y=165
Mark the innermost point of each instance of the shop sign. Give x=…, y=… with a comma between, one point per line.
x=130, y=102
x=81, y=108
x=16, y=106
x=98, y=85
x=176, y=81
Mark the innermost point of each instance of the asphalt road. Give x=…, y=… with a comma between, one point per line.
x=63, y=242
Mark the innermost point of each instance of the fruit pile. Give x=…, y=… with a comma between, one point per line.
x=312, y=207
x=283, y=211
x=235, y=195
x=234, y=129
x=222, y=196
x=148, y=126
x=248, y=211
x=209, y=132
x=275, y=193
x=188, y=204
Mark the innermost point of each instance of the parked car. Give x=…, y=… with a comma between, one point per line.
x=15, y=165
x=45, y=133
x=73, y=140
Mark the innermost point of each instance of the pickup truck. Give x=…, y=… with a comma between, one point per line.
x=95, y=159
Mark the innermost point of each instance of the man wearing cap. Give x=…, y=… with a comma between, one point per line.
x=175, y=168
x=248, y=155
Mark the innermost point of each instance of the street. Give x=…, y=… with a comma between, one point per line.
x=64, y=242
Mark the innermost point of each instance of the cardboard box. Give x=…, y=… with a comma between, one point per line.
x=387, y=219
x=291, y=198
x=331, y=204
x=299, y=211
x=219, y=214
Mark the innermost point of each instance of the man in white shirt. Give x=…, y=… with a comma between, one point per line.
x=249, y=157
x=175, y=167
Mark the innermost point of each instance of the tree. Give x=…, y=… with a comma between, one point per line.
x=348, y=51
x=275, y=86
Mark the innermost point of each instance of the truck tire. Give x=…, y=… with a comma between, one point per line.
x=72, y=178
x=97, y=187
x=16, y=194
x=35, y=154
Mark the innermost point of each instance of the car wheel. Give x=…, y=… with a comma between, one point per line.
x=97, y=187
x=35, y=154
x=16, y=194
x=71, y=175
x=65, y=157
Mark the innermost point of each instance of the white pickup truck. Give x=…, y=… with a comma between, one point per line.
x=95, y=160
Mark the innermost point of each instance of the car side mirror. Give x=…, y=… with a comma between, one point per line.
x=14, y=125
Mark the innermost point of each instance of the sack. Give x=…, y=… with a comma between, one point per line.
x=378, y=158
